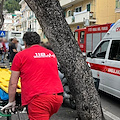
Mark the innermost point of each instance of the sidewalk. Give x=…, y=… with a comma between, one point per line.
x=63, y=114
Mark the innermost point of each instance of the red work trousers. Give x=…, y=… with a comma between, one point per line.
x=43, y=107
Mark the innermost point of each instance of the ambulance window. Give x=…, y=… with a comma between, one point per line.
x=82, y=36
x=76, y=36
x=115, y=50
x=101, y=50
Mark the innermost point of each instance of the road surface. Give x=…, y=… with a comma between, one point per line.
x=110, y=105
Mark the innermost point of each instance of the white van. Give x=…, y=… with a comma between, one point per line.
x=104, y=61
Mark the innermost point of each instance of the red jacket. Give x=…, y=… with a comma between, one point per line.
x=4, y=47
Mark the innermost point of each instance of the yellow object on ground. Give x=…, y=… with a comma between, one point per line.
x=4, y=80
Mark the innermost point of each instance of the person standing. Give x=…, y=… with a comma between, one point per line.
x=12, y=49
x=7, y=48
x=18, y=46
x=1, y=48
x=42, y=90
x=4, y=51
x=6, y=44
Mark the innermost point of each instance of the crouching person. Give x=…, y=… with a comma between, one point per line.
x=40, y=83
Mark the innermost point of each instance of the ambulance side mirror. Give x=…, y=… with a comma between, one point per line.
x=89, y=54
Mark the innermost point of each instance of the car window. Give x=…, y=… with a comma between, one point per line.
x=101, y=50
x=82, y=37
x=76, y=36
x=115, y=50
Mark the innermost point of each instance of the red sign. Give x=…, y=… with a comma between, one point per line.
x=98, y=28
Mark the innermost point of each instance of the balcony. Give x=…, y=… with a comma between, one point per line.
x=67, y=3
x=117, y=10
x=70, y=19
x=80, y=18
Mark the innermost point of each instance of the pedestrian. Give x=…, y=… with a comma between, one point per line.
x=3, y=51
x=7, y=48
x=6, y=44
x=12, y=49
x=1, y=48
x=10, y=42
x=42, y=90
x=18, y=46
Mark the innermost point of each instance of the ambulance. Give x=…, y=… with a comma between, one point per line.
x=104, y=61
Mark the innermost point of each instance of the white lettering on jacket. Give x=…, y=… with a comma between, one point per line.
x=44, y=55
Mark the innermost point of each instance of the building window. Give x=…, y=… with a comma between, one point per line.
x=88, y=7
x=101, y=50
x=69, y=13
x=117, y=3
x=82, y=37
x=115, y=50
x=25, y=24
x=44, y=36
x=76, y=36
x=64, y=14
x=78, y=9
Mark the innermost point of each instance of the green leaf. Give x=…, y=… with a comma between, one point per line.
x=11, y=5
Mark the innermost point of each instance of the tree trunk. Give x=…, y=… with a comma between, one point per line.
x=1, y=14
x=51, y=18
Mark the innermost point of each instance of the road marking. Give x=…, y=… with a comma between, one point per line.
x=110, y=115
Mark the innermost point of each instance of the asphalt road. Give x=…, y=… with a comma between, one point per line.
x=110, y=105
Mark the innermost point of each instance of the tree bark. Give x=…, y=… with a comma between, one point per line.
x=51, y=18
x=1, y=14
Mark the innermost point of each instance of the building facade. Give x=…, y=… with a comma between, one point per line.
x=29, y=21
x=7, y=26
x=105, y=11
x=17, y=25
x=82, y=13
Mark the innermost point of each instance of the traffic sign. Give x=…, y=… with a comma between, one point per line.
x=2, y=33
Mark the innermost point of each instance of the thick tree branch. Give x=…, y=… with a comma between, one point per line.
x=50, y=16
x=1, y=14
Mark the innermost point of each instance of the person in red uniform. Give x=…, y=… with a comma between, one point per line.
x=3, y=51
x=41, y=87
